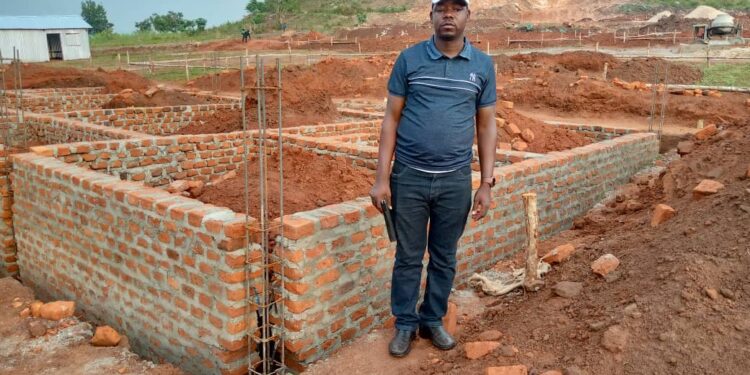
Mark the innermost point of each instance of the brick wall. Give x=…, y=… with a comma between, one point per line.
x=60, y=100
x=165, y=270
x=148, y=120
x=339, y=262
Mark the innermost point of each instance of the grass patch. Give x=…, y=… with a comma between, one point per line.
x=727, y=75
x=176, y=74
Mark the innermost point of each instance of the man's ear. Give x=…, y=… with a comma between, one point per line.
x=430, y=16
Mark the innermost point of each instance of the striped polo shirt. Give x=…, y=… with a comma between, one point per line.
x=436, y=130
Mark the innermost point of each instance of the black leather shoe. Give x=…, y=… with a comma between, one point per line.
x=441, y=339
x=401, y=343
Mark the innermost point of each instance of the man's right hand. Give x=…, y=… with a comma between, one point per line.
x=381, y=191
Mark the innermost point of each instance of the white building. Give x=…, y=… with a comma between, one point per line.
x=44, y=38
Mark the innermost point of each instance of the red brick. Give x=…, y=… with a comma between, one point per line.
x=507, y=370
x=476, y=350
x=605, y=264
x=559, y=254
x=296, y=229
x=298, y=307
x=327, y=277
x=706, y=133
x=707, y=187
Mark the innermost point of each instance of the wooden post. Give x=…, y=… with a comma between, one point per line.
x=119, y=61
x=625, y=36
x=359, y=47
x=597, y=46
x=531, y=281
x=606, y=69
x=674, y=37
x=508, y=41
x=127, y=54
x=187, y=68
x=542, y=44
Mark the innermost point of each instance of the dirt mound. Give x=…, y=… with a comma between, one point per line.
x=36, y=76
x=678, y=301
x=160, y=99
x=644, y=70
x=573, y=61
x=546, y=138
x=300, y=107
x=310, y=181
x=598, y=98
x=342, y=77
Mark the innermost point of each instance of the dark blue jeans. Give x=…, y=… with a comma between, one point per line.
x=443, y=200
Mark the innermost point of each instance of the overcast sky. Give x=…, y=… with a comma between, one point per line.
x=125, y=13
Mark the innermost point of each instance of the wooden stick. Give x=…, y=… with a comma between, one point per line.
x=531, y=281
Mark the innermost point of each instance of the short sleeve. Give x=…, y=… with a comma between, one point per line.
x=397, y=83
x=488, y=95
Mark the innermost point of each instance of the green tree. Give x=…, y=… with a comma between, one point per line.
x=278, y=9
x=96, y=16
x=171, y=22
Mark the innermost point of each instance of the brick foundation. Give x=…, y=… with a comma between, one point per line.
x=92, y=224
x=340, y=262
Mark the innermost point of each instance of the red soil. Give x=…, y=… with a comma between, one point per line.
x=313, y=108
x=658, y=295
x=36, y=76
x=160, y=99
x=546, y=138
x=310, y=181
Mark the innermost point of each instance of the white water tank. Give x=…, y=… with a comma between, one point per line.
x=722, y=24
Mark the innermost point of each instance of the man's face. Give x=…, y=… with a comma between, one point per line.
x=449, y=19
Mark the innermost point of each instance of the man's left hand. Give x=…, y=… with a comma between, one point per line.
x=482, y=202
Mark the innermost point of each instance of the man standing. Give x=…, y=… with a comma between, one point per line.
x=440, y=91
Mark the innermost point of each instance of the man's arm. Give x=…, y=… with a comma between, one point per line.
x=382, y=188
x=487, y=143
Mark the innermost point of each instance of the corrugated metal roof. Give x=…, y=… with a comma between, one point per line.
x=42, y=22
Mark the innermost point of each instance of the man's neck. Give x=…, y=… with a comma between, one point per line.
x=450, y=48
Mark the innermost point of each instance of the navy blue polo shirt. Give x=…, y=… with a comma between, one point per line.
x=436, y=131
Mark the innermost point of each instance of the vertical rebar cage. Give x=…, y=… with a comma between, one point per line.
x=264, y=297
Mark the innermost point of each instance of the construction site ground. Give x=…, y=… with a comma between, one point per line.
x=677, y=303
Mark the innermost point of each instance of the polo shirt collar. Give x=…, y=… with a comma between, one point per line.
x=435, y=54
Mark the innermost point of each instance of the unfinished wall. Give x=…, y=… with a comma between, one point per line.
x=168, y=271
x=165, y=270
x=59, y=100
x=339, y=261
x=148, y=120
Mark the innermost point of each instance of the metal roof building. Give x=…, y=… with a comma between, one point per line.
x=45, y=38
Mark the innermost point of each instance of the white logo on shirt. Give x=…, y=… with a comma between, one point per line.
x=473, y=77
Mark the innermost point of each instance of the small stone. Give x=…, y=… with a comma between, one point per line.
x=559, y=254
x=706, y=133
x=605, y=264
x=506, y=104
x=728, y=294
x=499, y=122
x=686, y=147
x=507, y=351
x=37, y=328
x=151, y=92
x=178, y=186
x=57, y=310
x=491, y=335
x=632, y=311
x=450, y=320
x=513, y=129
x=662, y=213
x=552, y=372
x=520, y=146
x=707, y=187
x=567, y=289
x=528, y=135
x=479, y=349
x=508, y=370
x=25, y=313
x=17, y=304
x=711, y=293
x=615, y=339
x=105, y=336
x=36, y=308
x=597, y=326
